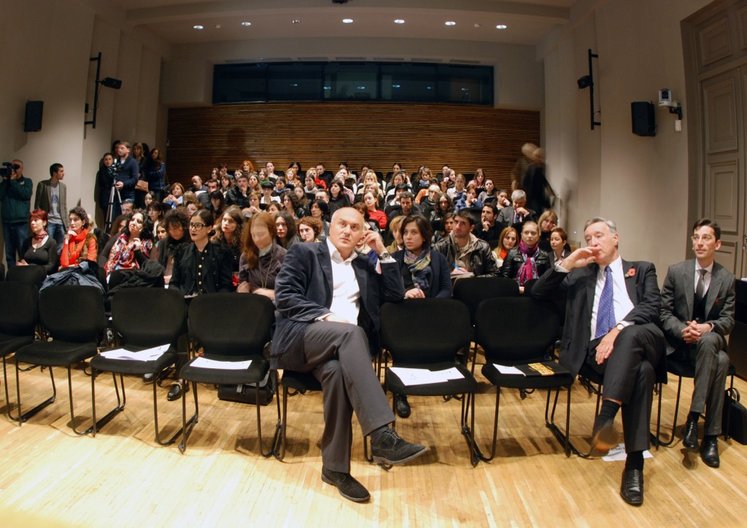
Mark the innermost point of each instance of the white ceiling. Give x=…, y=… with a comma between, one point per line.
x=528, y=21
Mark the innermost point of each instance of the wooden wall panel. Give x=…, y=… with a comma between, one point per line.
x=465, y=137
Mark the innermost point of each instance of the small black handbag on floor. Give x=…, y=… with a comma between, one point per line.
x=248, y=393
x=735, y=416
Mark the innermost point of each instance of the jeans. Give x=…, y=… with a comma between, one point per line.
x=57, y=233
x=14, y=234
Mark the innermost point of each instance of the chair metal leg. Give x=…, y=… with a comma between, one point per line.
x=158, y=432
x=672, y=437
x=281, y=432
x=563, y=437
x=22, y=417
x=98, y=424
x=72, y=409
x=468, y=427
x=270, y=451
x=188, y=425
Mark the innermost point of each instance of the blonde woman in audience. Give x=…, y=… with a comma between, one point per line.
x=547, y=222
x=395, y=227
x=559, y=244
x=506, y=242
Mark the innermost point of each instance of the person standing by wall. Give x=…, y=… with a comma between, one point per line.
x=51, y=196
x=15, y=201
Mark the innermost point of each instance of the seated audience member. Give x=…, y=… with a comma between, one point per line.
x=79, y=243
x=131, y=247
x=252, y=183
x=506, y=242
x=395, y=231
x=547, y=221
x=427, y=199
x=559, y=244
x=175, y=196
x=527, y=261
x=201, y=266
x=425, y=273
x=301, y=202
x=228, y=234
x=285, y=230
x=337, y=198
x=270, y=172
x=309, y=229
x=489, y=230
x=217, y=204
x=310, y=187
x=262, y=257
x=292, y=205
x=39, y=249
x=226, y=183
x=443, y=227
x=502, y=199
x=128, y=206
x=267, y=197
x=176, y=223
x=466, y=254
x=468, y=200
x=459, y=189
x=238, y=195
x=517, y=213
x=161, y=234
x=328, y=325
x=611, y=326
x=490, y=194
x=373, y=211
x=397, y=179
x=479, y=180
x=405, y=207
x=320, y=211
x=154, y=212
x=697, y=315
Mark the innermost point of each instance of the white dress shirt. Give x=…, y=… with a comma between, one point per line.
x=345, y=290
x=620, y=297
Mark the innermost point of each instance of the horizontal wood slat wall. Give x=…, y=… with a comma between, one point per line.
x=465, y=137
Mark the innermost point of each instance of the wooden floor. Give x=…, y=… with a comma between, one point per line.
x=51, y=477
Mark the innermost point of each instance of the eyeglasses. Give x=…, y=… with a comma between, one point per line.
x=196, y=225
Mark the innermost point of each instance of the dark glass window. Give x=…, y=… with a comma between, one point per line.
x=408, y=82
x=294, y=81
x=351, y=81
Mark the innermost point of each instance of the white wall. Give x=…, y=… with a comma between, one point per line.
x=640, y=182
x=45, y=50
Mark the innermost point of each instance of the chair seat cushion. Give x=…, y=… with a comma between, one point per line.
x=131, y=366
x=300, y=381
x=517, y=381
x=56, y=353
x=10, y=343
x=467, y=384
x=254, y=374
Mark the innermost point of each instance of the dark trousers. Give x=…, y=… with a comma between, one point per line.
x=711, y=367
x=338, y=356
x=629, y=375
x=14, y=235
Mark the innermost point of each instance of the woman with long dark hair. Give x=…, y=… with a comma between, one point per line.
x=261, y=258
x=228, y=234
x=132, y=246
x=176, y=223
x=285, y=230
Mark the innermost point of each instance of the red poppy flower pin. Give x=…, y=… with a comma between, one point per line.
x=630, y=273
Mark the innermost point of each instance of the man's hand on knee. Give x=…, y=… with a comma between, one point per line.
x=606, y=346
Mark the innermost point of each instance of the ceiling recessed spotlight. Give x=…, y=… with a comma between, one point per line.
x=295, y=21
x=198, y=27
x=347, y=20
x=501, y=26
x=399, y=20
x=217, y=26
x=450, y=23
x=477, y=25
x=246, y=23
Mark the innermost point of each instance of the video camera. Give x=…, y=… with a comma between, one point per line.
x=7, y=168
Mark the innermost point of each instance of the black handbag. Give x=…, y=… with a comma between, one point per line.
x=248, y=393
x=735, y=417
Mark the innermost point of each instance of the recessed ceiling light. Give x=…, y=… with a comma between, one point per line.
x=217, y=26
x=198, y=27
x=399, y=20
x=450, y=23
x=477, y=25
x=295, y=21
x=501, y=26
x=246, y=23
x=347, y=20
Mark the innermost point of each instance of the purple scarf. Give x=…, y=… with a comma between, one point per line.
x=528, y=270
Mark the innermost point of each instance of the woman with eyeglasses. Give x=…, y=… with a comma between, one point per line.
x=202, y=266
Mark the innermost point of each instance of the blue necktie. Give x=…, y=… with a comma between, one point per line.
x=606, y=308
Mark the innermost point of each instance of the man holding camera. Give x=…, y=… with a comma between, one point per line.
x=15, y=201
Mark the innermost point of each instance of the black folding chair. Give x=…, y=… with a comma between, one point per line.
x=29, y=274
x=74, y=318
x=427, y=334
x=519, y=332
x=144, y=318
x=229, y=327
x=18, y=318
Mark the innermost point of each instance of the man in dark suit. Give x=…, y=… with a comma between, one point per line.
x=328, y=324
x=697, y=313
x=611, y=326
x=516, y=213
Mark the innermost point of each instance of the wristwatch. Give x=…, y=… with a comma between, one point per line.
x=384, y=255
x=620, y=326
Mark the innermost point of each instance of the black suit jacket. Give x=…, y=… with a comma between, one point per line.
x=303, y=293
x=678, y=294
x=578, y=286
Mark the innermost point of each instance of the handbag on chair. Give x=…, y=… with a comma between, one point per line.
x=735, y=416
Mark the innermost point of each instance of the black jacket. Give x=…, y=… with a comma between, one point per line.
x=216, y=270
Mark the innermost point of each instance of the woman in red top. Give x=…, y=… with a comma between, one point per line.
x=80, y=242
x=373, y=212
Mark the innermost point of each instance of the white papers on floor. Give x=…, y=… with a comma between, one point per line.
x=147, y=354
x=203, y=362
x=506, y=369
x=416, y=376
x=617, y=454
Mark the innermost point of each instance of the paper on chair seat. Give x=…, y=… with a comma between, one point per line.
x=148, y=354
x=505, y=369
x=202, y=362
x=416, y=376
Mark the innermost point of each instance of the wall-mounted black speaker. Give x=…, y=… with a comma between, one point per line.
x=643, y=114
x=33, y=121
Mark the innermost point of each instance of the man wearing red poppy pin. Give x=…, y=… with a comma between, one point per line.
x=611, y=328
x=697, y=313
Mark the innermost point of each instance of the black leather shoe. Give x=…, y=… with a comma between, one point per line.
x=709, y=452
x=175, y=392
x=690, y=438
x=401, y=405
x=603, y=437
x=348, y=487
x=631, y=489
x=388, y=448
